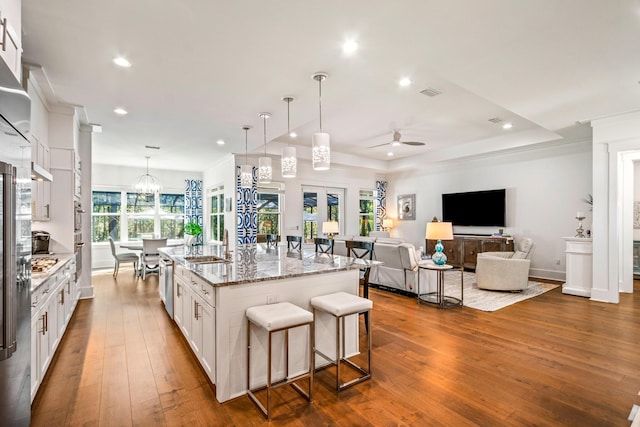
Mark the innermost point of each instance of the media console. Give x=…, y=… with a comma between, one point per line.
x=463, y=250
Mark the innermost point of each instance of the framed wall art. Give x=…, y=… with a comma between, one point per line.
x=407, y=207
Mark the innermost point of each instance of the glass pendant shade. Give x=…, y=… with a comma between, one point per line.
x=289, y=162
x=265, y=170
x=321, y=151
x=246, y=176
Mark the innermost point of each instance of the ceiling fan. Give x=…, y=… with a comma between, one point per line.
x=396, y=141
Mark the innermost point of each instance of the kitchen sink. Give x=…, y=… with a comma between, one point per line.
x=205, y=259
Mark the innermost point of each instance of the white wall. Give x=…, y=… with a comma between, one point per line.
x=109, y=177
x=545, y=188
x=636, y=193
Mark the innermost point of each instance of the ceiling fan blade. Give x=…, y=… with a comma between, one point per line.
x=414, y=143
x=379, y=145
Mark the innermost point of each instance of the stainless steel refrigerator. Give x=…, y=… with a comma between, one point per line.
x=15, y=259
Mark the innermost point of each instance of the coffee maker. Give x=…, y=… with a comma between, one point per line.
x=40, y=242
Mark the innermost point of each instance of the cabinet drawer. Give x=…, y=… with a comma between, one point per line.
x=204, y=289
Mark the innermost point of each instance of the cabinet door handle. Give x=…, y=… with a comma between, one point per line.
x=178, y=291
x=195, y=309
x=62, y=296
x=46, y=321
x=43, y=331
x=47, y=207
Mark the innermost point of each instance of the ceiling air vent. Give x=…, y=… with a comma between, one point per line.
x=431, y=92
x=495, y=120
x=152, y=147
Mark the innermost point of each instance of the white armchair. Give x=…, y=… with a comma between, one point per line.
x=505, y=271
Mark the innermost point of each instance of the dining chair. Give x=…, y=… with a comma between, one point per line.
x=294, y=243
x=272, y=240
x=362, y=250
x=150, y=258
x=324, y=245
x=123, y=257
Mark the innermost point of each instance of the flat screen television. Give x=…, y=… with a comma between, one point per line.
x=475, y=208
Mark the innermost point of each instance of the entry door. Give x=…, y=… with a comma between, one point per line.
x=320, y=204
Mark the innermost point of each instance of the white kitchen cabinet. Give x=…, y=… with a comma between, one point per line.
x=11, y=36
x=178, y=295
x=194, y=311
x=52, y=305
x=41, y=190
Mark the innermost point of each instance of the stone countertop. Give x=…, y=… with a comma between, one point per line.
x=256, y=263
x=37, y=279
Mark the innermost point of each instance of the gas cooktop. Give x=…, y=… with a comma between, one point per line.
x=41, y=265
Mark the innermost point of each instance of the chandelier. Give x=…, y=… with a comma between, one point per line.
x=147, y=183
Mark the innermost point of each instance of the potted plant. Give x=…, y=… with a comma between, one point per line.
x=192, y=230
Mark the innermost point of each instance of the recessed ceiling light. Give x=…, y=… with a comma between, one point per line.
x=404, y=82
x=122, y=62
x=293, y=134
x=220, y=142
x=507, y=126
x=390, y=154
x=349, y=46
x=120, y=111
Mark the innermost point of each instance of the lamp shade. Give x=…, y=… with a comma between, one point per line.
x=330, y=227
x=439, y=231
x=321, y=151
x=265, y=170
x=387, y=223
x=289, y=162
x=246, y=176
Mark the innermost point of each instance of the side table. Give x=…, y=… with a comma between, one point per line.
x=438, y=297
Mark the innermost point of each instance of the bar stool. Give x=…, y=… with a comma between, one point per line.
x=340, y=305
x=275, y=318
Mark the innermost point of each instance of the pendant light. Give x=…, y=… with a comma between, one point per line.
x=147, y=183
x=246, y=170
x=289, y=162
x=321, y=151
x=265, y=171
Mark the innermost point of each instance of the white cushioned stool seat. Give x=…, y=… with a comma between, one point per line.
x=341, y=304
x=278, y=316
x=278, y=319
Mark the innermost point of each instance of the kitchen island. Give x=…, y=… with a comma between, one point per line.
x=213, y=289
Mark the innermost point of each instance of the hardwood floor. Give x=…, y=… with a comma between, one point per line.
x=553, y=360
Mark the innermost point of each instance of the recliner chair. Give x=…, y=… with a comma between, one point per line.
x=505, y=271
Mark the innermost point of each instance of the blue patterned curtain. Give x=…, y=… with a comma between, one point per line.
x=381, y=206
x=193, y=203
x=247, y=201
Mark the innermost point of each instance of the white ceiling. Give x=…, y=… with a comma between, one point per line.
x=202, y=69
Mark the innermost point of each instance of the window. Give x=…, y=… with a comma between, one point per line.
x=172, y=216
x=129, y=216
x=367, y=211
x=140, y=218
x=269, y=209
x=216, y=216
x=105, y=217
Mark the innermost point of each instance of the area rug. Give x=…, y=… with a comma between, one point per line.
x=489, y=300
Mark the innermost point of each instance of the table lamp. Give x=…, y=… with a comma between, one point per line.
x=330, y=228
x=439, y=231
x=387, y=224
